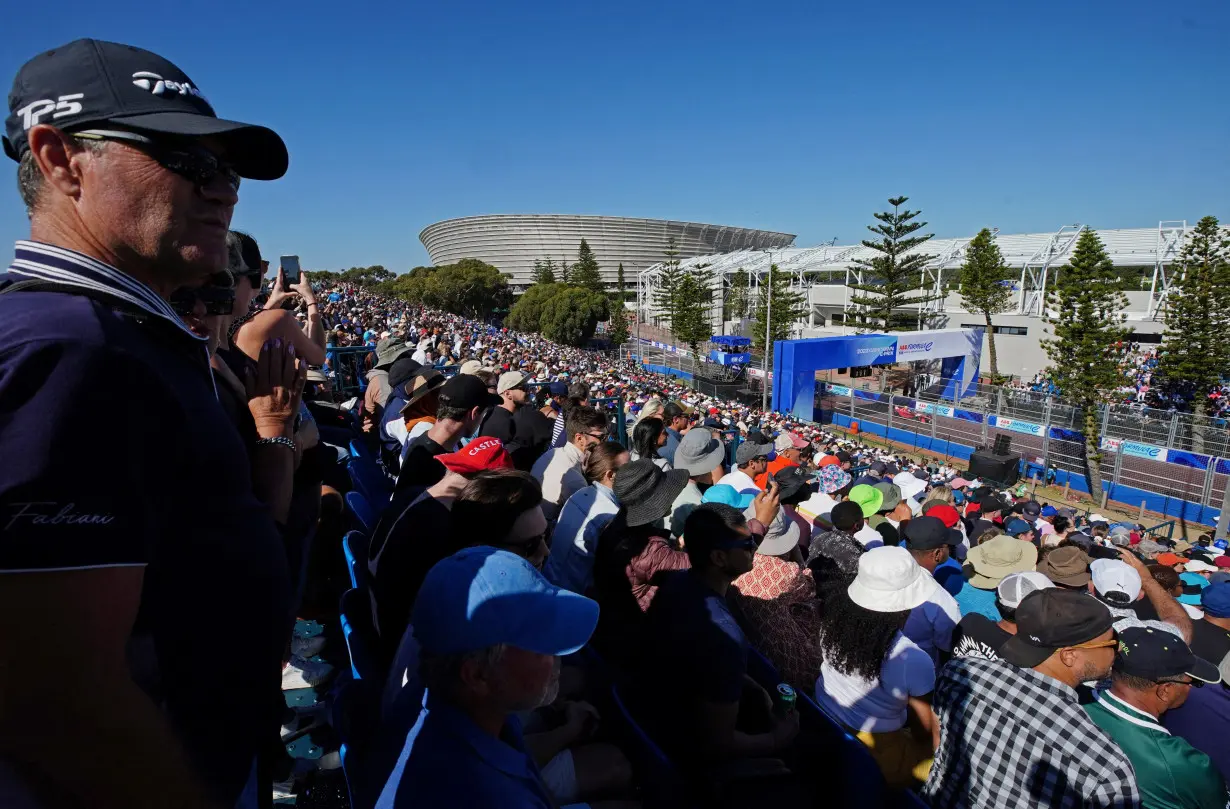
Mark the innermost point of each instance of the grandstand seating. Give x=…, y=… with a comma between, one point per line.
x=354, y=546
x=362, y=511
x=360, y=635
x=366, y=474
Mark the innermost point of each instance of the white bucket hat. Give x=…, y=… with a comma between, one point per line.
x=890, y=580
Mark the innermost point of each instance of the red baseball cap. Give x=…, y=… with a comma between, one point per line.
x=1222, y=561
x=945, y=514
x=478, y=455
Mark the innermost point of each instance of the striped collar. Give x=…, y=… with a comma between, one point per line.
x=1128, y=713
x=35, y=260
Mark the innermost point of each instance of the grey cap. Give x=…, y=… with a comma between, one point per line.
x=699, y=452
x=749, y=450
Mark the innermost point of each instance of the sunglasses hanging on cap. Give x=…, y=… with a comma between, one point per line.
x=192, y=162
x=218, y=295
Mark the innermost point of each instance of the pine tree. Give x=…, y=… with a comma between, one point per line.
x=983, y=291
x=620, y=286
x=892, y=280
x=586, y=273
x=565, y=272
x=1195, y=354
x=543, y=272
x=735, y=301
x=1088, y=307
x=618, y=331
x=788, y=306
x=692, y=323
x=668, y=281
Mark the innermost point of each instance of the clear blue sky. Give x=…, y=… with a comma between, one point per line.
x=801, y=117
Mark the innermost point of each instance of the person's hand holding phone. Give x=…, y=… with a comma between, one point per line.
x=279, y=294
x=767, y=503
x=303, y=289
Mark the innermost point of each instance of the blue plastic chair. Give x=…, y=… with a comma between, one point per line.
x=354, y=715
x=354, y=546
x=654, y=770
x=362, y=511
x=367, y=475
x=762, y=670
x=360, y=636
x=862, y=783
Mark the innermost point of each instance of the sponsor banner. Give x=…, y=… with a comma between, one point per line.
x=1015, y=426
x=839, y=390
x=1111, y=444
x=933, y=409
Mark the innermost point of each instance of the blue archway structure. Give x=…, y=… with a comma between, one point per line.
x=795, y=362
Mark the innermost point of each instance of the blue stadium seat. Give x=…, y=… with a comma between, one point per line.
x=861, y=783
x=354, y=546
x=762, y=670
x=360, y=635
x=367, y=475
x=659, y=777
x=362, y=511
x=354, y=715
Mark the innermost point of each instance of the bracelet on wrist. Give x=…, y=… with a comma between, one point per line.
x=279, y=440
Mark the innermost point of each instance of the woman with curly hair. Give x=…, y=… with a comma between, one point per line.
x=874, y=680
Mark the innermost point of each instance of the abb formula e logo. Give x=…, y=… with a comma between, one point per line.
x=62, y=106
x=159, y=86
x=910, y=348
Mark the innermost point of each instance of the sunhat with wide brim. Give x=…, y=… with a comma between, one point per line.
x=890, y=580
x=646, y=492
x=997, y=557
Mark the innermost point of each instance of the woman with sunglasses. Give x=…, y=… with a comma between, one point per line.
x=250, y=329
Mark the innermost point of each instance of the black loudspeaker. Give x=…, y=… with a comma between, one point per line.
x=1001, y=469
x=1003, y=444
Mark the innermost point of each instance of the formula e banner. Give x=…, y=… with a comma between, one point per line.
x=1134, y=449
x=1015, y=426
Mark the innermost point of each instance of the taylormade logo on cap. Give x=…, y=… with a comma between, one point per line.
x=158, y=85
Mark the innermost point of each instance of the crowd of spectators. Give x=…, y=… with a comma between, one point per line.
x=986, y=649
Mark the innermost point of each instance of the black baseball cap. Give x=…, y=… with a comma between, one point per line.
x=1048, y=620
x=844, y=456
x=926, y=533
x=1155, y=654
x=89, y=83
x=989, y=503
x=467, y=391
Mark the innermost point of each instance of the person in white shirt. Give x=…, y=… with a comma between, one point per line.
x=932, y=622
x=751, y=459
x=834, y=486
x=874, y=680
x=559, y=470
x=582, y=519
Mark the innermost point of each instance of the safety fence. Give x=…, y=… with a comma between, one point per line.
x=1170, y=481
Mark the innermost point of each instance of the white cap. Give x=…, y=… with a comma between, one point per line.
x=1098, y=518
x=908, y=484
x=1013, y=588
x=1115, y=576
x=1198, y=566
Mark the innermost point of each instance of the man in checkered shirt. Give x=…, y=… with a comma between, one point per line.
x=1011, y=731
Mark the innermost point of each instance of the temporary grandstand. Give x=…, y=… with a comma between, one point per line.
x=1148, y=259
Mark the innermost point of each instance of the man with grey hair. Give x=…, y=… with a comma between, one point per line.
x=130, y=180
x=491, y=631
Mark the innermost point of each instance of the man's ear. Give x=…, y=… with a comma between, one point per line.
x=55, y=156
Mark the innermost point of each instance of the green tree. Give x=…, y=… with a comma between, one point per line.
x=470, y=287
x=571, y=315
x=367, y=276
x=564, y=276
x=692, y=322
x=526, y=313
x=737, y=298
x=892, y=280
x=788, y=306
x=620, y=287
x=981, y=280
x=668, y=281
x=1195, y=354
x=543, y=272
x=586, y=273
x=1088, y=307
x=618, y=331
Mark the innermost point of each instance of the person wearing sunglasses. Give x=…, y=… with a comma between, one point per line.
x=130, y=180
x=713, y=713
x=1002, y=722
x=1154, y=672
x=562, y=471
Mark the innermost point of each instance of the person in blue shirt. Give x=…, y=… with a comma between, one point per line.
x=491, y=631
x=676, y=420
x=991, y=561
x=108, y=558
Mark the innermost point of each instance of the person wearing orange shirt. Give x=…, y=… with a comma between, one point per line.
x=789, y=448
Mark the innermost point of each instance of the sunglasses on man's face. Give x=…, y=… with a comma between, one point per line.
x=190, y=161
x=218, y=295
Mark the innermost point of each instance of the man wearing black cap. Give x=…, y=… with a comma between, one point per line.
x=463, y=401
x=1012, y=732
x=931, y=623
x=990, y=508
x=130, y=180
x=1154, y=672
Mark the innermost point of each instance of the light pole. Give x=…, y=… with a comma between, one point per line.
x=768, y=325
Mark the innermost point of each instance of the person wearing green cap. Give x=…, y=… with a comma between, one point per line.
x=869, y=499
